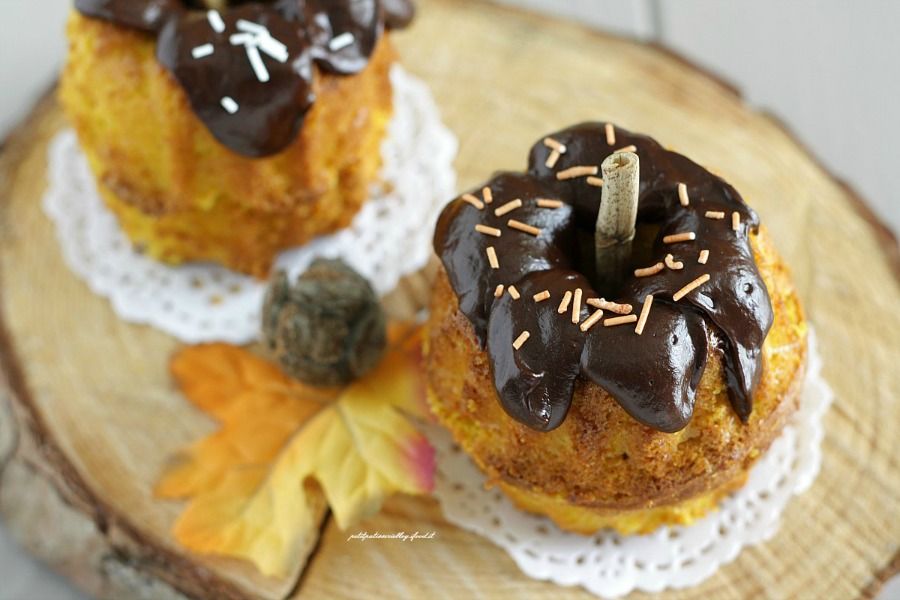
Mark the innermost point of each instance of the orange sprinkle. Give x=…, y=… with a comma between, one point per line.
x=523, y=337
x=647, y=271
x=621, y=309
x=498, y=291
x=564, y=305
x=735, y=220
x=492, y=257
x=645, y=312
x=591, y=320
x=704, y=256
x=576, y=306
x=683, y=195
x=541, y=296
x=508, y=207
x=473, y=201
x=690, y=287
x=547, y=203
x=620, y=320
x=488, y=196
x=685, y=236
x=714, y=214
x=610, y=134
x=487, y=230
x=579, y=171
x=524, y=227
x=673, y=264
x=555, y=145
x=552, y=159
x=594, y=181
x=629, y=148
x=513, y=292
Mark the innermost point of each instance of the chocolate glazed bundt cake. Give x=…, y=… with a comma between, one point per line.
x=225, y=130
x=629, y=407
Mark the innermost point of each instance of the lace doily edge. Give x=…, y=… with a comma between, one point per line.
x=810, y=417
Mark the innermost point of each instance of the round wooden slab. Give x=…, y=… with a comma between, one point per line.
x=94, y=414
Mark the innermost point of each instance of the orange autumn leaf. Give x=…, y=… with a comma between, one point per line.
x=247, y=483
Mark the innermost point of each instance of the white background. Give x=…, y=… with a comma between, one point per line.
x=829, y=68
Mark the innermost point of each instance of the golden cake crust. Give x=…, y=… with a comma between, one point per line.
x=180, y=194
x=601, y=467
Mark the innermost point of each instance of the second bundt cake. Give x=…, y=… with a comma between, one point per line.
x=230, y=135
x=626, y=408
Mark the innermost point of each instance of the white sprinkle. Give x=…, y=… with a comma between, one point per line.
x=202, y=51
x=250, y=26
x=229, y=105
x=273, y=48
x=256, y=38
x=215, y=21
x=241, y=39
x=340, y=42
x=256, y=61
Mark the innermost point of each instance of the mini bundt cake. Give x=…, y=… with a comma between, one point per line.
x=227, y=131
x=630, y=407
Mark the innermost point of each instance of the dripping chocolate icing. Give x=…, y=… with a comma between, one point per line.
x=269, y=113
x=653, y=376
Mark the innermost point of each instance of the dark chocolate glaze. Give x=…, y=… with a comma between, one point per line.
x=266, y=111
x=398, y=13
x=653, y=376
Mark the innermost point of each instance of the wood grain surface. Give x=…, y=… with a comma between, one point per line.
x=88, y=415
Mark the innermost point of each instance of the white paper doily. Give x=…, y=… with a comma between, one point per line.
x=610, y=565
x=388, y=238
